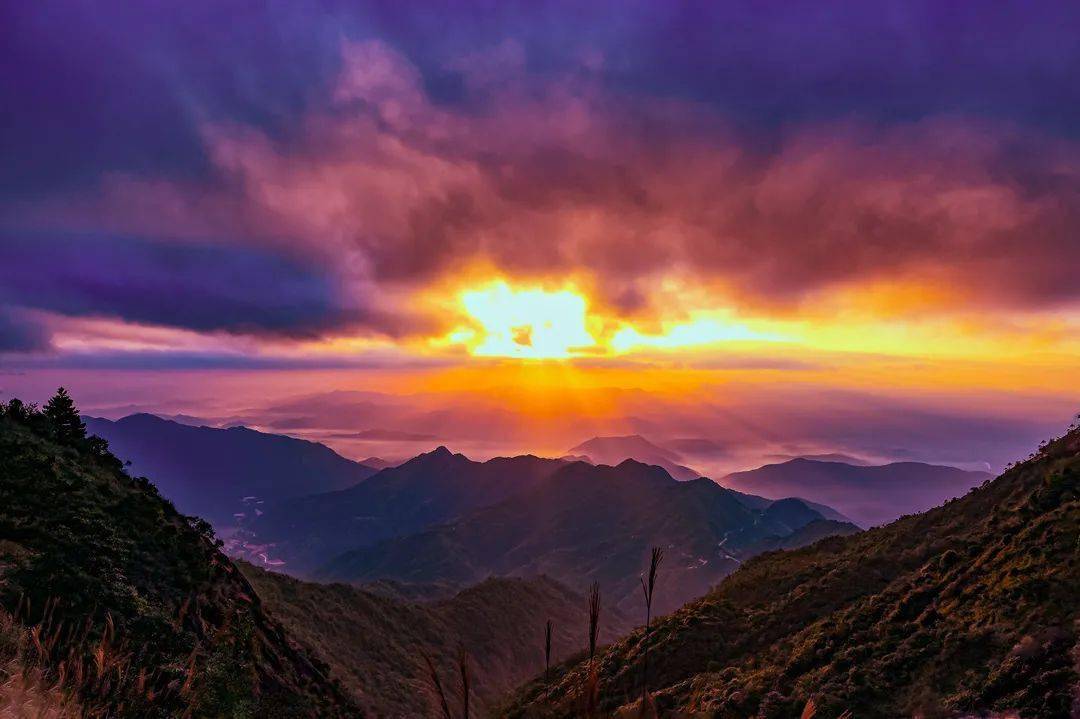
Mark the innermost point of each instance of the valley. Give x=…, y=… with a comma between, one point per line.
x=412, y=572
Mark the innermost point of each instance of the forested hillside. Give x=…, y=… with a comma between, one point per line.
x=969, y=608
x=375, y=644
x=128, y=607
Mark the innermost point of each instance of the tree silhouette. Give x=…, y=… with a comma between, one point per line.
x=67, y=426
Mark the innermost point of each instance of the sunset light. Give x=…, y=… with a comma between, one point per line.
x=527, y=323
x=467, y=325
x=700, y=332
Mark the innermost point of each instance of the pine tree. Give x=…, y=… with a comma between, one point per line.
x=67, y=427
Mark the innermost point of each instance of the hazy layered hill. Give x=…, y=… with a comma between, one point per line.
x=429, y=489
x=869, y=495
x=587, y=523
x=965, y=610
x=755, y=502
x=207, y=471
x=130, y=605
x=613, y=450
x=373, y=642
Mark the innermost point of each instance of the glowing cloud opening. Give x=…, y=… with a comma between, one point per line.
x=700, y=332
x=527, y=323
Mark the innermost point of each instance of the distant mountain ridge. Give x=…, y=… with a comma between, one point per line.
x=581, y=523
x=755, y=502
x=870, y=495
x=207, y=471
x=613, y=450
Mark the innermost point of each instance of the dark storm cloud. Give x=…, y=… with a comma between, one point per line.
x=773, y=149
x=20, y=334
x=198, y=287
x=93, y=87
x=117, y=85
x=205, y=360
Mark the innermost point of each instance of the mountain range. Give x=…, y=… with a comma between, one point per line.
x=430, y=489
x=869, y=495
x=612, y=450
x=300, y=506
x=581, y=523
x=866, y=493
x=116, y=604
x=208, y=472
x=969, y=609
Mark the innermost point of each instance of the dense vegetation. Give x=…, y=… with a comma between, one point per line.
x=969, y=608
x=129, y=606
x=375, y=643
x=586, y=523
x=112, y=603
x=428, y=490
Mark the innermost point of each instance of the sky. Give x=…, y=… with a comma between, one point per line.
x=772, y=228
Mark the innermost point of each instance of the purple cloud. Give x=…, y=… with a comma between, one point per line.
x=200, y=287
x=20, y=334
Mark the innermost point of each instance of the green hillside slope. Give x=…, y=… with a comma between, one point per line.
x=969, y=608
x=130, y=606
x=373, y=643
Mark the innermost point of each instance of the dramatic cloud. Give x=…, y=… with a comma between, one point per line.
x=141, y=77
x=394, y=155
x=198, y=287
x=564, y=177
x=20, y=334
x=884, y=196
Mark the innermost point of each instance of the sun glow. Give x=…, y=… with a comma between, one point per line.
x=527, y=323
x=700, y=332
x=489, y=316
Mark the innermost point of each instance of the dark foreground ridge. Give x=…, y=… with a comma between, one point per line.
x=129, y=608
x=967, y=609
x=374, y=643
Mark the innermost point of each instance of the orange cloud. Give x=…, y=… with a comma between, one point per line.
x=655, y=208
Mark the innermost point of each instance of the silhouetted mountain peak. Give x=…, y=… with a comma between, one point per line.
x=438, y=457
x=789, y=504
x=377, y=463
x=622, y=443
x=792, y=512
x=207, y=471
x=870, y=495
x=647, y=470
x=633, y=463
x=140, y=418
x=614, y=449
x=626, y=471
x=431, y=488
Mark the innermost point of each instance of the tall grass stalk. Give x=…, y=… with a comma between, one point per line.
x=463, y=666
x=648, y=588
x=594, y=617
x=436, y=684
x=592, y=682
x=547, y=651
